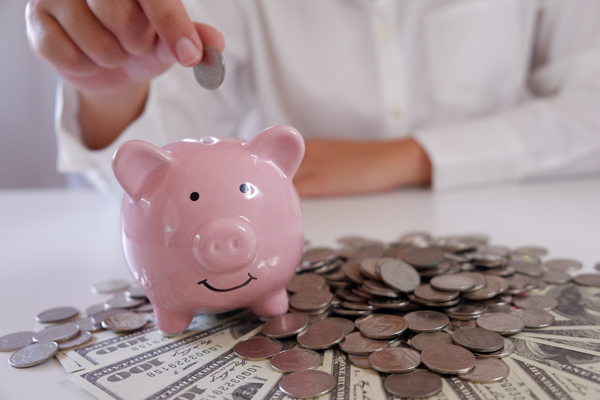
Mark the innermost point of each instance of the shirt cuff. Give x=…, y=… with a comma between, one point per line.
x=482, y=151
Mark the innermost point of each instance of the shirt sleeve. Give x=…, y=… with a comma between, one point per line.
x=554, y=134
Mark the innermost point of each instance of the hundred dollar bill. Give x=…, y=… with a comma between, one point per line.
x=128, y=377
x=582, y=345
x=108, y=346
x=576, y=365
x=545, y=384
x=226, y=377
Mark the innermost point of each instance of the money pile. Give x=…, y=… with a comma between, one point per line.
x=451, y=317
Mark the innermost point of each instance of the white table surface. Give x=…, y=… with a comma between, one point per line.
x=55, y=244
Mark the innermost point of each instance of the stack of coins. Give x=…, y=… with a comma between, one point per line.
x=447, y=305
x=63, y=328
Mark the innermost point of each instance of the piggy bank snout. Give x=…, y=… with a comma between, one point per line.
x=224, y=244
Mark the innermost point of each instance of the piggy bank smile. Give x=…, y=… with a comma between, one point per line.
x=214, y=289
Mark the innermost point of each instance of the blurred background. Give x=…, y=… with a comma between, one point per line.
x=27, y=90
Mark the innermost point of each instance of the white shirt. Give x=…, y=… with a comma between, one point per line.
x=493, y=90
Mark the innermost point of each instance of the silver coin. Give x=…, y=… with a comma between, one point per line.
x=121, y=300
x=491, y=289
x=307, y=281
x=399, y=275
x=457, y=282
x=125, y=321
x=359, y=321
x=336, y=275
x=356, y=306
x=110, y=286
x=257, y=348
x=477, y=339
x=427, y=257
x=449, y=303
x=352, y=271
x=307, y=384
x=98, y=317
x=93, y=309
x=534, y=318
x=383, y=327
x=507, y=350
x=57, y=314
x=555, y=276
x=487, y=370
x=294, y=360
x=536, y=302
x=16, y=341
x=33, y=354
x=426, y=321
x=448, y=359
x=321, y=335
x=368, y=267
x=416, y=384
x=527, y=268
x=309, y=300
x=395, y=360
x=285, y=325
x=480, y=280
x=517, y=281
x=426, y=292
x=87, y=324
x=135, y=292
x=210, y=71
x=504, y=324
x=597, y=266
x=348, y=295
x=587, y=280
x=144, y=308
x=346, y=324
x=350, y=313
x=563, y=264
x=368, y=251
x=83, y=338
x=57, y=333
x=423, y=340
x=359, y=361
x=536, y=251
x=355, y=343
x=317, y=256
x=392, y=304
x=466, y=310
x=502, y=283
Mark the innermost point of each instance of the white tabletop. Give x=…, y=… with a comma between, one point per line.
x=55, y=244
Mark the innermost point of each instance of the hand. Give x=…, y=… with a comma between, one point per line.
x=103, y=46
x=339, y=167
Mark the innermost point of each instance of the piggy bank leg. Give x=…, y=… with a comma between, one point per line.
x=172, y=323
x=276, y=304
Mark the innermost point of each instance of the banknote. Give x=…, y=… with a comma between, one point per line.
x=68, y=364
x=108, y=346
x=546, y=384
x=128, y=377
x=227, y=376
x=577, y=305
x=583, y=345
x=576, y=365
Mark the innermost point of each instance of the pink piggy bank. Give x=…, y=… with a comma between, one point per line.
x=212, y=225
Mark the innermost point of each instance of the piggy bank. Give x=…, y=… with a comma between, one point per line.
x=213, y=224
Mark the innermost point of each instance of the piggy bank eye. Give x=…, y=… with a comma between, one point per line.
x=244, y=188
x=194, y=196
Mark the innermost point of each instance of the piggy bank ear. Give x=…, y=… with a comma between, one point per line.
x=135, y=165
x=281, y=144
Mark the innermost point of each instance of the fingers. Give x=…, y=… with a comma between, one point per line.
x=49, y=41
x=127, y=21
x=170, y=20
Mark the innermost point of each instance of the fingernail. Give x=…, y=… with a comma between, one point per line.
x=186, y=51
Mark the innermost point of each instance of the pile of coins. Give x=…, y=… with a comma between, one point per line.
x=414, y=309
x=124, y=312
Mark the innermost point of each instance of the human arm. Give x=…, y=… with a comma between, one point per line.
x=109, y=51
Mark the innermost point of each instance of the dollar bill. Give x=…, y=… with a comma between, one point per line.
x=68, y=364
x=577, y=305
x=546, y=384
x=576, y=365
x=155, y=368
x=582, y=345
x=109, y=346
